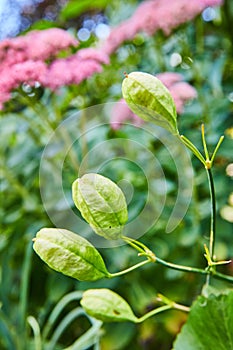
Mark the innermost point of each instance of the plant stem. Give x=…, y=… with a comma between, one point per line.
x=181, y=307
x=208, y=272
x=134, y=244
x=134, y=267
x=216, y=149
x=212, y=217
x=170, y=306
x=25, y=285
x=222, y=276
x=204, y=143
x=36, y=332
x=154, y=312
x=192, y=148
x=180, y=267
x=151, y=257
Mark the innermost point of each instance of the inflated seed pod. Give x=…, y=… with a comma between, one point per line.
x=70, y=254
x=150, y=100
x=101, y=203
x=107, y=306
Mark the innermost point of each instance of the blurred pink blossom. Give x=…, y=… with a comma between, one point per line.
x=153, y=15
x=180, y=90
x=93, y=54
x=35, y=45
x=121, y=113
x=42, y=47
x=28, y=72
x=23, y=60
x=74, y=69
x=71, y=70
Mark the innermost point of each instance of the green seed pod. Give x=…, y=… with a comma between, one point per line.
x=107, y=306
x=102, y=204
x=150, y=100
x=70, y=254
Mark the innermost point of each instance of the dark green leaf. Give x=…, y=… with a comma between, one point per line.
x=209, y=326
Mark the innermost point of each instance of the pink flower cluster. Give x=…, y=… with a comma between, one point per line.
x=35, y=45
x=73, y=69
x=154, y=15
x=32, y=58
x=121, y=113
x=180, y=91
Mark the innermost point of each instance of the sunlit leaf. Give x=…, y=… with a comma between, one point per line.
x=209, y=326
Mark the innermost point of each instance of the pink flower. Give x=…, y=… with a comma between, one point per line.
x=154, y=15
x=47, y=43
x=125, y=31
x=180, y=90
x=22, y=60
x=121, y=113
x=74, y=69
x=35, y=45
x=28, y=72
x=93, y=54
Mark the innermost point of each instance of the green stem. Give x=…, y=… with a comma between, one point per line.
x=36, y=332
x=192, y=148
x=156, y=311
x=135, y=244
x=153, y=258
x=204, y=143
x=208, y=272
x=212, y=217
x=216, y=149
x=222, y=276
x=144, y=251
x=181, y=267
x=181, y=307
x=25, y=285
x=134, y=267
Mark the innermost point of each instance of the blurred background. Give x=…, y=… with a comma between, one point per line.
x=83, y=65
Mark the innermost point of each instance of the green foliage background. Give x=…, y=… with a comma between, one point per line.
x=28, y=287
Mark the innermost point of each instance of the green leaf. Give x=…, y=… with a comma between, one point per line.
x=209, y=326
x=107, y=306
x=70, y=254
x=102, y=204
x=150, y=100
x=75, y=8
x=43, y=24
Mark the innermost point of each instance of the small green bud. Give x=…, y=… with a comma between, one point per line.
x=107, y=306
x=70, y=254
x=102, y=204
x=150, y=100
